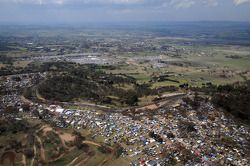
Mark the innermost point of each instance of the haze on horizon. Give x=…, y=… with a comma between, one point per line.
x=81, y=11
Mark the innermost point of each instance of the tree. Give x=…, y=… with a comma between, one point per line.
x=26, y=108
x=131, y=99
x=11, y=110
x=118, y=150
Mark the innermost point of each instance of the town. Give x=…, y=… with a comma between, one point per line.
x=124, y=97
x=173, y=133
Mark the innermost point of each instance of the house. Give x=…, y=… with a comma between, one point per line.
x=59, y=110
x=151, y=163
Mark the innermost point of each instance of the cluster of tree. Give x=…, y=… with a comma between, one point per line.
x=67, y=88
x=26, y=107
x=186, y=154
x=195, y=101
x=79, y=141
x=52, y=138
x=166, y=89
x=170, y=135
x=91, y=84
x=28, y=148
x=228, y=142
x=235, y=99
x=9, y=110
x=105, y=149
x=29, y=93
x=13, y=126
x=184, y=86
x=6, y=60
x=128, y=97
x=234, y=56
x=4, y=47
x=34, y=68
x=163, y=78
x=118, y=150
x=14, y=144
x=72, y=81
x=187, y=127
x=157, y=137
x=143, y=90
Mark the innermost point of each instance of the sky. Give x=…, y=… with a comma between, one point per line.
x=81, y=11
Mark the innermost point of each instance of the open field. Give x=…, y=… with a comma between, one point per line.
x=42, y=146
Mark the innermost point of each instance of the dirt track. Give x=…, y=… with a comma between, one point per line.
x=35, y=153
x=80, y=104
x=11, y=155
x=168, y=100
x=91, y=143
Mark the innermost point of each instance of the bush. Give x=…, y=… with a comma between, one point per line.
x=104, y=149
x=118, y=150
x=29, y=153
x=84, y=147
